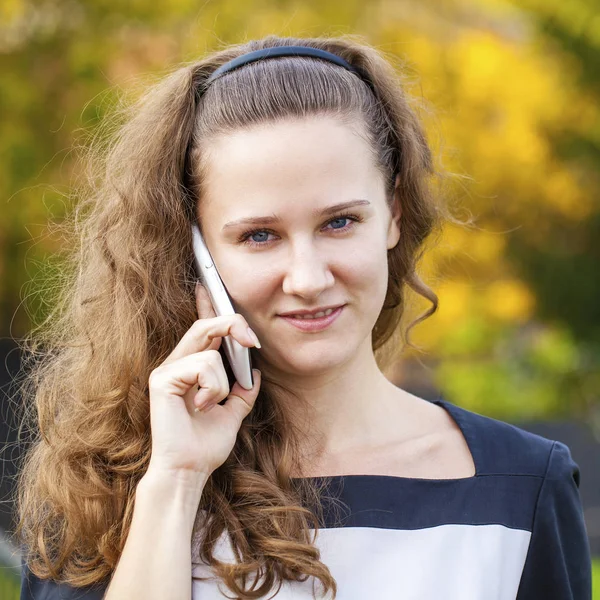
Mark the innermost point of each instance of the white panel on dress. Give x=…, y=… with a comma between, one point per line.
x=449, y=562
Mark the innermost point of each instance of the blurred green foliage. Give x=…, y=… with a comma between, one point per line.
x=511, y=101
x=10, y=587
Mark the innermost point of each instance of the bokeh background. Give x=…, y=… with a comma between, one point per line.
x=510, y=96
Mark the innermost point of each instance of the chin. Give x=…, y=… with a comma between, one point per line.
x=315, y=358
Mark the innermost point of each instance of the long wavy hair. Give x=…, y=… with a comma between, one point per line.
x=124, y=297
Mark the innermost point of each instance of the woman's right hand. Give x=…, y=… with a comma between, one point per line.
x=185, y=441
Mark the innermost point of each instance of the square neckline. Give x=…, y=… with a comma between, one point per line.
x=455, y=415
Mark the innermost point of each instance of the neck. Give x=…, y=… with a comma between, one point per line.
x=350, y=407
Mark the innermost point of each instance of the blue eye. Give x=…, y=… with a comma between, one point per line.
x=259, y=233
x=247, y=237
x=339, y=219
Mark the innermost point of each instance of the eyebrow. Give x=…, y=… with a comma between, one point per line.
x=275, y=219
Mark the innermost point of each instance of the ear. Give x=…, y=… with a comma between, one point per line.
x=393, y=234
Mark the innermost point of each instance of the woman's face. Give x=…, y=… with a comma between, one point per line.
x=270, y=221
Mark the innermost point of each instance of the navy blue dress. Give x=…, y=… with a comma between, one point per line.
x=513, y=531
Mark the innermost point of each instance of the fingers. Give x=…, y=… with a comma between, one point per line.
x=204, y=305
x=207, y=311
x=176, y=378
x=214, y=387
x=206, y=333
x=241, y=401
x=205, y=330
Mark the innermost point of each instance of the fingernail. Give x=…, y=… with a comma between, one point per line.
x=254, y=338
x=197, y=286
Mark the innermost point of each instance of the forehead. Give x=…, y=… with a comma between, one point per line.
x=294, y=162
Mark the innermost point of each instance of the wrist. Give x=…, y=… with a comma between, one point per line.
x=183, y=488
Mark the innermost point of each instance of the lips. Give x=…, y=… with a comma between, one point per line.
x=317, y=315
x=312, y=313
x=315, y=324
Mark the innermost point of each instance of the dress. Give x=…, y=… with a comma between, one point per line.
x=513, y=531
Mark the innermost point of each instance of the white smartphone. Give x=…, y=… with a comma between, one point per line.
x=237, y=355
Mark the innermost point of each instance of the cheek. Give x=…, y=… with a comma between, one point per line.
x=249, y=286
x=367, y=280
x=364, y=268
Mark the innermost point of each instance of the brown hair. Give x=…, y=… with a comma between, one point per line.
x=125, y=298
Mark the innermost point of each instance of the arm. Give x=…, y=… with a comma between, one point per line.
x=558, y=564
x=156, y=561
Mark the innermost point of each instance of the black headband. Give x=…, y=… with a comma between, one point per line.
x=276, y=51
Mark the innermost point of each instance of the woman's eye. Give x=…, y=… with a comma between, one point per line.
x=259, y=237
x=338, y=220
x=262, y=235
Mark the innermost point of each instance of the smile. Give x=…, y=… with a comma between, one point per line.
x=315, y=316
x=316, y=322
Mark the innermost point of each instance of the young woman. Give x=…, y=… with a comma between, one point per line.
x=309, y=174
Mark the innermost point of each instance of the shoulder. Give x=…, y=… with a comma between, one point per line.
x=501, y=448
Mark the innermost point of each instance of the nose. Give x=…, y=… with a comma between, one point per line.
x=308, y=273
